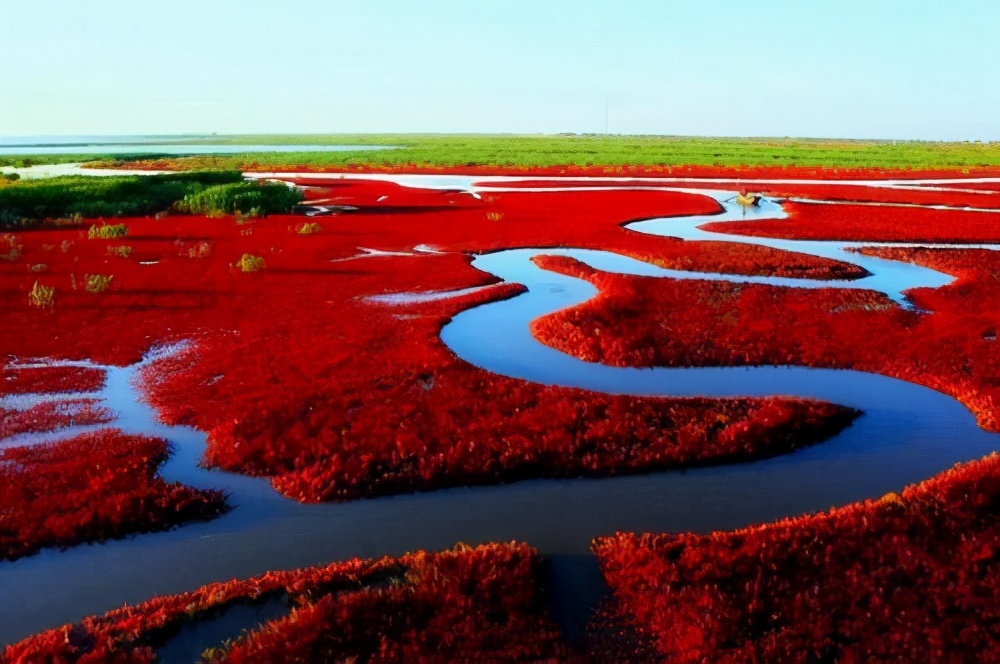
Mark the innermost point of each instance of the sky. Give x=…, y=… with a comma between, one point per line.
x=894, y=69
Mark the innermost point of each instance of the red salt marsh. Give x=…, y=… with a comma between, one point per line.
x=911, y=576
x=649, y=322
x=819, y=221
x=469, y=604
x=90, y=488
x=298, y=375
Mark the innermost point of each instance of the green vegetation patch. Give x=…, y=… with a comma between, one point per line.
x=593, y=150
x=27, y=160
x=23, y=203
x=248, y=198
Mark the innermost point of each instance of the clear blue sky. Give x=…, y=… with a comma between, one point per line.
x=864, y=69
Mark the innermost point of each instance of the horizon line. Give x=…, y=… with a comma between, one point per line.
x=486, y=134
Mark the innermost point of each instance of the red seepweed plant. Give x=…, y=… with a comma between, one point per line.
x=90, y=488
x=469, y=604
x=50, y=379
x=909, y=577
x=819, y=221
x=50, y=416
x=651, y=322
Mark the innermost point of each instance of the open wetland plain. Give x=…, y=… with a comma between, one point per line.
x=359, y=406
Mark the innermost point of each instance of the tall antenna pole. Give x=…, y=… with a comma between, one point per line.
x=605, y=117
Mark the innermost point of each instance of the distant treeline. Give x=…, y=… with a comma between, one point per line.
x=25, y=202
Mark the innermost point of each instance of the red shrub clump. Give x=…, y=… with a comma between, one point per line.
x=822, y=221
x=50, y=379
x=50, y=416
x=909, y=196
x=909, y=577
x=583, y=435
x=469, y=604
x=91, y=488
x=639, y=321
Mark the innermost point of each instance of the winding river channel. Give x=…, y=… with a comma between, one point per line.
x=907, y=433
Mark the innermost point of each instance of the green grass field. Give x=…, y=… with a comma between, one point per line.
x=510, y=150
x=26, y=202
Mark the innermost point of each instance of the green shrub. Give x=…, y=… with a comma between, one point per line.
x=24, y=202
x=249, y=198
